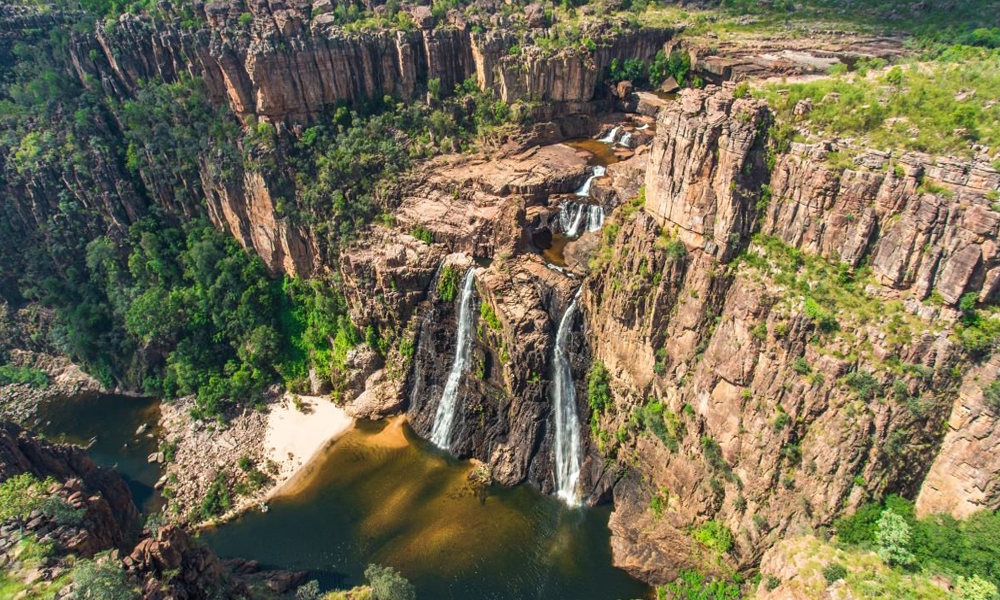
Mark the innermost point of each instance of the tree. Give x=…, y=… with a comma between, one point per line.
x=388, y=584
x=308, y=591
x=975, y=588
x=892, y=536
x=19, y=496
x=102, y=579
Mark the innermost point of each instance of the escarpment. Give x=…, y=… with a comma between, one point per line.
x=752, y=384
x=290, y=62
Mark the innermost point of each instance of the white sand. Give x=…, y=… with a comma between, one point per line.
x=295, y=436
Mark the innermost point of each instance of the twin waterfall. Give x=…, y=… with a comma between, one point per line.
x=445, y=417
x=567, y=441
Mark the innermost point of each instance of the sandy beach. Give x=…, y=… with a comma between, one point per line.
x=296, y=434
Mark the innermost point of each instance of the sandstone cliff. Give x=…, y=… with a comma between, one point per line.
x=771, y=416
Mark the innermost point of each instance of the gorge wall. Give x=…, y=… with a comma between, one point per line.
x=776, y=417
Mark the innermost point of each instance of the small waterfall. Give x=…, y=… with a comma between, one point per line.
x=584, y=190
x=644, y=127
x=610, y=138
x=571, y=216
x=445, y=417
x=575, y=218
x=595, y=217
x=626, y=140
x=567, y=440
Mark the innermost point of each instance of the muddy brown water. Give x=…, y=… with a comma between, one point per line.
x=380, y=494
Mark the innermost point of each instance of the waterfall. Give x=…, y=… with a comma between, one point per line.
x=445, y=417
x=570, y=218
x=595, y=217
x=567, y=441
x=610, y=138
x=584, y=190
x=644, y=127
x=574, y=218
x=626, y=140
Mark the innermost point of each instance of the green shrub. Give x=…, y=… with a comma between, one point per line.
x=598, y=388
x=102, y=579
x=31, y=376
x=217, y=500
x=388, y=584
x=991, y=396
x=834, y=572
x=715, y=536
x=692, y=585
x=892, y=539
x=423, y=234
x=448, y=283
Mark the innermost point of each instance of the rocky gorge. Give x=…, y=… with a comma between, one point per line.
x=759, y=338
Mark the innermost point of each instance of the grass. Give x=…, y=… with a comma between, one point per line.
x=831, y=294
x=939, y=107
x=864, y=573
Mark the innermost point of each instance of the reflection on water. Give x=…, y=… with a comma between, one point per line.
x=601, y=154
x=554, y=254
x=380, y=494
x=110, y=423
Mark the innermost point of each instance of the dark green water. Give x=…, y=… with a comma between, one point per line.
x=111, y=422
x=380, y=494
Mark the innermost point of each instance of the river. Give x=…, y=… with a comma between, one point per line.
x=380, y=494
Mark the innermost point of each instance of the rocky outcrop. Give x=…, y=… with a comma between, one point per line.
x=756, y=420
x=963, y=478
x=290, y=62
x=924, y=224
x=705, y=169
x=22, y=453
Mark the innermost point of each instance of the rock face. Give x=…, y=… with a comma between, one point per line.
x=764, y=429
x=963, y=478
x=703, y=165
x=923, y=223
x=503, y=408
x=290, y=62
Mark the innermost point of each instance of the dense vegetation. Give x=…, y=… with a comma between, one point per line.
x=937, y=544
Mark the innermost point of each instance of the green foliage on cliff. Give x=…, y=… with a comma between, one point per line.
x=936, y=544
x=33, y=377
x=714, y=536
x=448, y=283
x=598, y=389
x=692, y=585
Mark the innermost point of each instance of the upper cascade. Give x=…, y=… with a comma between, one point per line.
x=444, y=419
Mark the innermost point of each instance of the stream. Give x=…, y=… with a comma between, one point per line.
x=381, y=494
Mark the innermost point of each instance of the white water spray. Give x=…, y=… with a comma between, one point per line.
x=445, y=417
x=567, y=439
x=626, y=140
x=610, y=138
x=584, y=190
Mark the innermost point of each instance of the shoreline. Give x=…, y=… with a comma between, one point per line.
x=256, y=454
x=300, y=438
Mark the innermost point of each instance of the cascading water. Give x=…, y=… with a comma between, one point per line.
x=570, y=218
x=573, y=216
x=567, y=440
x=595, y=217
x=626, y=139
x=584, y=190
x=445, y=416
x=610, y=138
